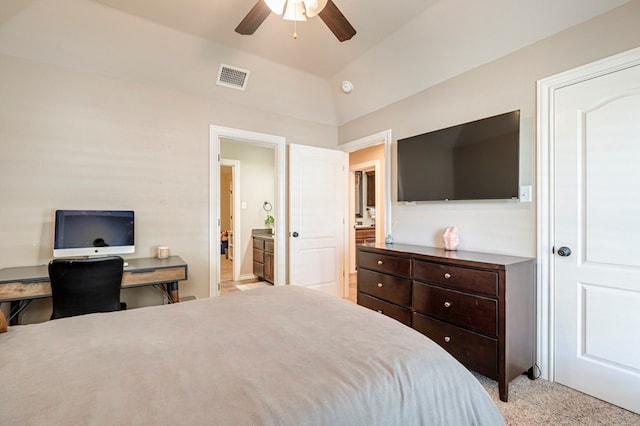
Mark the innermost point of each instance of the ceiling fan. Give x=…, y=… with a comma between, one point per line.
x=298, y=10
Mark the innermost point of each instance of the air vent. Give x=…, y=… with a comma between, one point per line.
x=232, y=77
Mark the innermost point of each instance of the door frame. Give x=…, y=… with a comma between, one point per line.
x=279, y=144
x=546, y=91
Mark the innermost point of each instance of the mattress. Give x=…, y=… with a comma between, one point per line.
x=281, y=355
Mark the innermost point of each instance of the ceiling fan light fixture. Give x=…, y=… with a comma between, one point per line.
x=298, y=10
x=276, y=6
x=314, y=7
x=295, y=11
x=310, y=4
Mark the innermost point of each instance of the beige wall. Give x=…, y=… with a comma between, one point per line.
x=102, y=110
x=88, y=36
x=94, y=114
x=500, y=86
x=81, y=140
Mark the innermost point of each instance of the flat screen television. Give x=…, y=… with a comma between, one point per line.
x=478, y=160
x=93, y=232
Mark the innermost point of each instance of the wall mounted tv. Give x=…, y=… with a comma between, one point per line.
x=93, y=232
x=478, y=160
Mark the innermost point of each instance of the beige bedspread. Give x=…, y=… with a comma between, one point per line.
x=272, y=356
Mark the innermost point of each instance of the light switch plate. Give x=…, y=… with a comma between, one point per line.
x=525, y=194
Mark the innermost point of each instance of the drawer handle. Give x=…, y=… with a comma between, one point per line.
x=447, y=339
x=380, y=262
x=447, y=304
x=380, y=311
x=380, y=285
x=447, y=275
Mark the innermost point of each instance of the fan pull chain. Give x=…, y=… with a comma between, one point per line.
x=295, y=29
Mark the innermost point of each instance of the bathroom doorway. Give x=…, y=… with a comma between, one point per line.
x=241, y=141
x=370, y=157
x=254, y=186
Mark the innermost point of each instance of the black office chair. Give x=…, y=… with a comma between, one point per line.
x=84, y=286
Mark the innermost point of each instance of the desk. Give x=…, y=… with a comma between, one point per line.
x=21, y=285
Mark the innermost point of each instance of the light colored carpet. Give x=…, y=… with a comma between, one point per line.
x=539, y=402
x=245, y=287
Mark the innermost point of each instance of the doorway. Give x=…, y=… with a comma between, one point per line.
x=277, y=144
x=366, y=201
x=370, y=155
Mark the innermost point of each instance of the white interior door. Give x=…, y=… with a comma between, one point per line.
x=597, y=217
x=317, y=209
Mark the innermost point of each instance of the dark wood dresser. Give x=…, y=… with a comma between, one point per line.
x=478, y=306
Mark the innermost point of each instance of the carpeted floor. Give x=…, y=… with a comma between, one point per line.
x=540, y=402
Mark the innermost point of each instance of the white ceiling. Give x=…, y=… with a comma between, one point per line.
x=318, y=52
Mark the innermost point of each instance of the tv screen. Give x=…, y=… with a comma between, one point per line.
x=93, y=232
x=478, y=160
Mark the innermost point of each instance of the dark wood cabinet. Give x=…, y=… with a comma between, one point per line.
x=268, y=260
x=364, y=235
x=371, y=189
x=477, y=306
x=263, y=257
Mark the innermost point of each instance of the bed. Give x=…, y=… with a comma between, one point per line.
x=270, y=356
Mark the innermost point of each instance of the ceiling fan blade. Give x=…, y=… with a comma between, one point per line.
x=254, y=18
x=337, y=23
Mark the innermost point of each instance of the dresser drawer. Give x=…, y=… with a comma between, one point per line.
x=466, y=310
x=485, y=282
x=389, y=309
x=387, y=287
x=400, y=266
x=258, y=243
x=477, y=352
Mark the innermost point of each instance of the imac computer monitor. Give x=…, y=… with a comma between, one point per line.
x=93, y=233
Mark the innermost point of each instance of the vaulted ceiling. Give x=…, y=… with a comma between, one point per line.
x=416, y=22
x=401, y=48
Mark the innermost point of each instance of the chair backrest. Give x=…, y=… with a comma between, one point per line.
x=84, y=286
